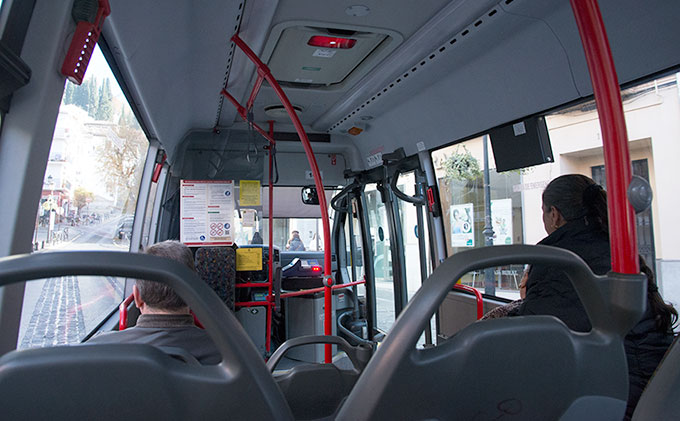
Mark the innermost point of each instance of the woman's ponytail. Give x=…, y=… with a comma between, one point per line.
x=595, y=204
x=665, y=315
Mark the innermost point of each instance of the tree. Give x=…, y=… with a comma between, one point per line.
x=122, y=120
x=122, y=163
x=68, y=94
x=92, y=99
x=80, y=95
x=105, y=106
x=81, y=196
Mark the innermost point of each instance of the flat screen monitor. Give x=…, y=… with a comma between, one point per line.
x=521, y=144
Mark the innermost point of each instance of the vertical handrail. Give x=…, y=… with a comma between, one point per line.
x=478, y=297
x=264, y=71
x=270, y=299
x=622, y=234
x=123, y=312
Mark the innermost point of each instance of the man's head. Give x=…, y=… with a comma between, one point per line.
x=154, y=297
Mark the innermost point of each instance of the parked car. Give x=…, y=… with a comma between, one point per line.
x=124, y=230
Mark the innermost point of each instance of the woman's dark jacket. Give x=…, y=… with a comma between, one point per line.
x=550, y=292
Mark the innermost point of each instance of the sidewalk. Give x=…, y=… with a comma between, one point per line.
x=62, y=232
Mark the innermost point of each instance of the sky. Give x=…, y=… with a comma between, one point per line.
x=99, y=68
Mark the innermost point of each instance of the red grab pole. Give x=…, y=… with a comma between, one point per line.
x=272, y=146
x=264, y=72
x=478, y=298
x=622, y=234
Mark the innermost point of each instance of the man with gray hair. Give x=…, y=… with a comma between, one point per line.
x=165, y=319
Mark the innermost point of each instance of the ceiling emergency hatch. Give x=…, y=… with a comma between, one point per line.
x=317, y=57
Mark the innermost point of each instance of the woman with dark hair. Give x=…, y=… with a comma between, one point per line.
x=575, y=218
x=648, y=341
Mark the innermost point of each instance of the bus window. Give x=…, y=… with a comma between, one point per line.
x=382, y=264
x=651, y=111
x=460, y=173
x=88, y=202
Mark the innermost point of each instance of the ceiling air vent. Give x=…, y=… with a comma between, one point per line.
x=279, y=111
x=314, y=57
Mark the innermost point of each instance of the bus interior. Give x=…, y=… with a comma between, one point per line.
x=378, y=169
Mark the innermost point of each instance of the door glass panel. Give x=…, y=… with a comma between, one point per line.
x=382, y=263
x=409, y=225
x=355, y=267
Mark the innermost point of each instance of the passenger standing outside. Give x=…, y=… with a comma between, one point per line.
x=295, y=243
x=165, y=319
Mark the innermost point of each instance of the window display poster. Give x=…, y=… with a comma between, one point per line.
x=250, y=193
x=462, y=227
x=206, y=212
x=501, y=221
x=248, y=217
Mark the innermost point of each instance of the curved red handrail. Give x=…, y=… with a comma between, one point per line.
x=478, y=296
x=315, y=290
x=264, y=73
x=123, y=312
x=622, y=234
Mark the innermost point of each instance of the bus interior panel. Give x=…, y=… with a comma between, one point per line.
x=363, y=191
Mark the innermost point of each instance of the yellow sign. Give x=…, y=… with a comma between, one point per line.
x=249, y=193
x=249, y=259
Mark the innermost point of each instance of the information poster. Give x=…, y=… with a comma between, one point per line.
x=501, y=221
x=462, y=227
x=248, y=217
x=248, y=259
x=206, y=212
x=250, y=193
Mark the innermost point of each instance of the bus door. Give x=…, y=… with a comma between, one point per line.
x=409, y=189
x=394, y=234
x=348, y=239
x=379, y=236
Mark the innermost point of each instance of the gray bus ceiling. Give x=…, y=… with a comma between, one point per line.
x=462, y=67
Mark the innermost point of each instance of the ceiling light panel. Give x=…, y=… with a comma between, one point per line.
x=294, y=60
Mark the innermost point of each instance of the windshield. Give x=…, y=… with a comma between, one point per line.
x=297, y=226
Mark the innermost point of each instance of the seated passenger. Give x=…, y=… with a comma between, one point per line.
x=502, y=311
x=575, y=218
x=165, y=320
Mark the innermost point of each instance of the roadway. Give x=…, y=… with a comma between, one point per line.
x=61, y=311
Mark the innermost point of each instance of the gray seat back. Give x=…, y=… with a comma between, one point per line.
x=515, y=368
x=135, y=381
x=661, y=398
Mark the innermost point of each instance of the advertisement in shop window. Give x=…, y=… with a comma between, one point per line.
x=501, y=221
x=462, y=225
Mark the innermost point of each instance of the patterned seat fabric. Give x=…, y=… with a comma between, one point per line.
x=217, y=267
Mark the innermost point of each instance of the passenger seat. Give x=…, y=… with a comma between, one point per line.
x=217, y=267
